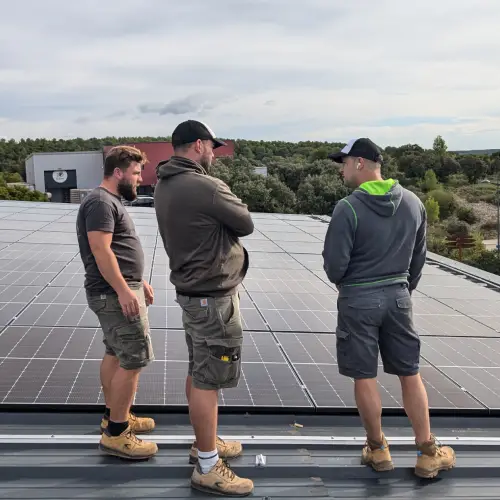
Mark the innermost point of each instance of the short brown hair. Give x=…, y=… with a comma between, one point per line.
x=121, y=157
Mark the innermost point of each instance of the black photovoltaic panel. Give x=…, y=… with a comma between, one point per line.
x=266, y=245
x=285, y=281
x=7, y=236
x=61, y=366
x=459, y=292
x=40, y=252
x=437, y=325
x=262, y=260
x=486, y=311
x=298, y=312
x=313, y=356
x=51, y=346
x=290, y=236
x=463, y=352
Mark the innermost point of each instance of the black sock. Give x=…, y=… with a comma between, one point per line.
x=107, y=412
x=116, y=428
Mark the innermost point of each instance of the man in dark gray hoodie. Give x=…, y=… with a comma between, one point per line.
x=200, y=222
x=374, y=252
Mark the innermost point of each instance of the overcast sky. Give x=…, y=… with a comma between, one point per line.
x=396, y=71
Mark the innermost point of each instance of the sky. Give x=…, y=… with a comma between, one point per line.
x=328, y=70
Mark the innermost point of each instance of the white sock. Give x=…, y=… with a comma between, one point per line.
x=207, y=460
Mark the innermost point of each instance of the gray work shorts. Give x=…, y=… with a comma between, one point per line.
x=214, y=336
x=370, y=320
x=126, y=338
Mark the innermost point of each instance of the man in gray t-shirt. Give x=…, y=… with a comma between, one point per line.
x=103, y=211
x=113, y=258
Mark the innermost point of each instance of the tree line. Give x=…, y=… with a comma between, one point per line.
x=300, y=178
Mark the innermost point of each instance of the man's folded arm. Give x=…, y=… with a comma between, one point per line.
x=230, y=211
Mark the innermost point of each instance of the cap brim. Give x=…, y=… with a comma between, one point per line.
x=218, y=144
x=337, y=157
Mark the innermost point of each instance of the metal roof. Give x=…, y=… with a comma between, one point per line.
x=49, y=450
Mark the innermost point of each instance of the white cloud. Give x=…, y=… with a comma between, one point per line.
x=388, y=69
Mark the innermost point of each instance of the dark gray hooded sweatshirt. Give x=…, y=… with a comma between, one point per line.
x=376, y=236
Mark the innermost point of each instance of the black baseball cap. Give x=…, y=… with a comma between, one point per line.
x=359, y=148
x=192, y=130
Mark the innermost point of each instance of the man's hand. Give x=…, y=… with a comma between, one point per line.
x=148, y=293
x=129, y=302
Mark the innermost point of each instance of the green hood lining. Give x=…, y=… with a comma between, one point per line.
x=377, y=187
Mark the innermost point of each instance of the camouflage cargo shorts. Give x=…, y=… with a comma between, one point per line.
x=214, y=336
x=127, y=339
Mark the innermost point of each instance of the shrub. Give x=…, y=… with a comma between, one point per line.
x=466, y=214
x=437, y=245
x=432, y=209
x=456, y=227
x=489, y=198
x=458, y=180
x=430, y=182
x=446, y=200
x=486, y=260
x=436, y=242
x=479, y=192
x=490, y=225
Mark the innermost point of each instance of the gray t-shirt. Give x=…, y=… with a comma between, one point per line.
x=103, y=211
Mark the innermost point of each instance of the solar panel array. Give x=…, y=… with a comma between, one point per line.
x=51, y=344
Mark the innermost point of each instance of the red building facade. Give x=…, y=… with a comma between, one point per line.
x=160, y=151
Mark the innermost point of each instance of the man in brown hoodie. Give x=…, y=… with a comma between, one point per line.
x=200, y=221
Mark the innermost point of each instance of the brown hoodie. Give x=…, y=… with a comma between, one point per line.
x=200, y=222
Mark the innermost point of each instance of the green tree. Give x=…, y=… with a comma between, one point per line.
x=319, y=193
x=446, y=200
x=448, y=166
x=473, y=167
x=439, y=146
x=430, y=181
x=390, y=167
x=432, y=209
x=415, y=164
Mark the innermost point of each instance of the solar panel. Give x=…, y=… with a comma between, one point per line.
x=51, y=345
x=471, y=362
x=313, y=356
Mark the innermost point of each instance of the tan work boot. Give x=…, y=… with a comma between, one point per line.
x=221, y=480
x=127, y=445
x=377, y=455
x=137, y=424
x=225, y=449
x=433, y=458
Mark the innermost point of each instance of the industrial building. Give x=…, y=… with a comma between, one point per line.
x=59, y=173
x=66, y=175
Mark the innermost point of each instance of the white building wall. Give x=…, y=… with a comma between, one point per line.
x=87, y=164
x=30, y=170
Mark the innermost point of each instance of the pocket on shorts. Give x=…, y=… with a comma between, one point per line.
x=96, y=304
x=404, y=303
x=363, y=303
x=228, y=313
x=223, y=365
x=192, y=307
x=343, y=346
x=133, y=344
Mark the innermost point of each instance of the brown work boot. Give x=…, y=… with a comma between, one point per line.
x=137, y=424
x=432, y=458
x=127, y=445
x=221, y=480
x=377, y=455
x=225, y=449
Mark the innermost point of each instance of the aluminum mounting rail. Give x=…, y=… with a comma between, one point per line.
x=165, y=439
